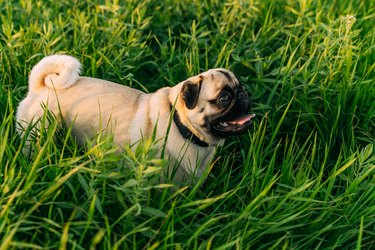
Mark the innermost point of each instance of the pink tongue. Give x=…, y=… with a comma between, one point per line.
x=242, y=120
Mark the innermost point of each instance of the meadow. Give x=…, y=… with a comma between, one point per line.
x=302, y=178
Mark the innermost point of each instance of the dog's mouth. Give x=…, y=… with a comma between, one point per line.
x=231, y=126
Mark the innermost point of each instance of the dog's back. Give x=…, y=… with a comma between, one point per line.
x=90, y=104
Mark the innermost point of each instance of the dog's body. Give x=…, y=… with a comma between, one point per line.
x=92, y=105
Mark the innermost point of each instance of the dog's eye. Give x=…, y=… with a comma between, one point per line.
x=225, y=98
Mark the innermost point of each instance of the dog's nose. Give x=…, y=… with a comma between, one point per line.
x=242, y=96
x=243, y=102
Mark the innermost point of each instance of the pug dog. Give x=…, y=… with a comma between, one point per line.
x=193, y=117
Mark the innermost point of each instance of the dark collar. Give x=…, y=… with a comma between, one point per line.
x=185, y=132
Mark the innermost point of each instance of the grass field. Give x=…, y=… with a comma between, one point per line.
x=302, y=178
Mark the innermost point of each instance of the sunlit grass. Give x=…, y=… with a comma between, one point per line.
x=302, y=177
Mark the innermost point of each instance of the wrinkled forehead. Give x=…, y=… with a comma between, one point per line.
x=221, y=77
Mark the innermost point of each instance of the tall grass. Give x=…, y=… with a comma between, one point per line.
x=302, y=178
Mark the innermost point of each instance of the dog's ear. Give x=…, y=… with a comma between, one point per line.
x=190, y=92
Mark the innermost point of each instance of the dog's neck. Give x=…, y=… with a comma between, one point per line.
x=186, y=132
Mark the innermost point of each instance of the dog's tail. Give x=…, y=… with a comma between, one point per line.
x=56, y=72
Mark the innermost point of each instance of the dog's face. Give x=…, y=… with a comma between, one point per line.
x=215, y=105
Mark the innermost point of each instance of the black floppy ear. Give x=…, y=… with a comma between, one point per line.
x=190, y=92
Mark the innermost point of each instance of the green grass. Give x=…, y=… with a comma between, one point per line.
x=302, y=178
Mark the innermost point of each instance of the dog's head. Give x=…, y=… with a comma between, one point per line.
x=214, y=105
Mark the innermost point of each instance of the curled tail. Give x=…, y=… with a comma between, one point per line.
x=56, y=72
